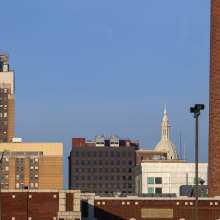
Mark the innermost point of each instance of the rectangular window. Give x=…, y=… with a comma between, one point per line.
x=158, y=180
x=150, y=190
x=150, y=180
x=158, y=190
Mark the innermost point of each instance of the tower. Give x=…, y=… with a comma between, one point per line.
x=165, y=145
x=214, y=114
x=6, y=100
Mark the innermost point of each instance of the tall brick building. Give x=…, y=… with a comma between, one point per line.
x=6, y=100
x=214, y=126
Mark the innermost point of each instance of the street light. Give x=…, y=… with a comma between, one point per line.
x=196, y=111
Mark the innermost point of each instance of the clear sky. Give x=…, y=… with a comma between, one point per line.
x=88, y=67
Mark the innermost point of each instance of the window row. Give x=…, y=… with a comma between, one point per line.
x=105, y=154
x=77, y=178
x=101, y=162
x=154, y=180
x=100, y=170
x=100, y=185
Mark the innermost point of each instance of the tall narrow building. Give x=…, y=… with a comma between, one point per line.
x=7, y=128
x=214, y=114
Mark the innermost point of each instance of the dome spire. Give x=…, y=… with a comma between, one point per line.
x=165, y=143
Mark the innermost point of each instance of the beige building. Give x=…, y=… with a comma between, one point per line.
x=7, y=127
x=32, y=165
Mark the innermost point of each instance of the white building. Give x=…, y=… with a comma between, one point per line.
x=166, y=176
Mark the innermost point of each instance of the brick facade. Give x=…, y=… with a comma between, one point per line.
x=153, y=209
x=40, y=205
x=214, y=126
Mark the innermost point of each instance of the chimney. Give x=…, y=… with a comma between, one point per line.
x=214, y=114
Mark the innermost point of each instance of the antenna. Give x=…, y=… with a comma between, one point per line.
x=181, y=148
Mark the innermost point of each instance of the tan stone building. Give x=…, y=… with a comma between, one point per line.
x=7, y=127
x=32, y=165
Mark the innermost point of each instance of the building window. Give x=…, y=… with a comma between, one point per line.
x=150, y=180
x=158, y=180
x=150, y=190
x=158, y=190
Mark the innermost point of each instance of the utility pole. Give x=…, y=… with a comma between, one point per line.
x=196, y=111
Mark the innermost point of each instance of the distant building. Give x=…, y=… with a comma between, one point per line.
x=146, y=155
x=165, y=144
x=32, y=165
x=7, y=91
x=103, y=166
x=166, y=177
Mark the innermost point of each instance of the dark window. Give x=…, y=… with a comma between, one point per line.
x=158, y=180
x=158, y=190
x=129, y=170
x=130, y=178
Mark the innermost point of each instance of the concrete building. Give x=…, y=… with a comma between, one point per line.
x=166, y=177
x=32, y=165
x=214, y=113
x=103, y=166
x=7, y=91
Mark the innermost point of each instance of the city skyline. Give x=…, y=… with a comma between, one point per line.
x=146, y=60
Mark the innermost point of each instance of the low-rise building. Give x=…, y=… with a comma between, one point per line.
x=167, y=176
x=143, y=155
x=32, y=165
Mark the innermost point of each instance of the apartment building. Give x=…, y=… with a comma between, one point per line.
x=7, y=91
x=31, y=165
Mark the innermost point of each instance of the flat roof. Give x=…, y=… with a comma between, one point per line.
x=48, y=149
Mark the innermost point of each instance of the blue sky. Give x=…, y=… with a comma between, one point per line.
x=108, y=67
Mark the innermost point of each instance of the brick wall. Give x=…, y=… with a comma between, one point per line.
x=138, y=209
x=214, y=126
